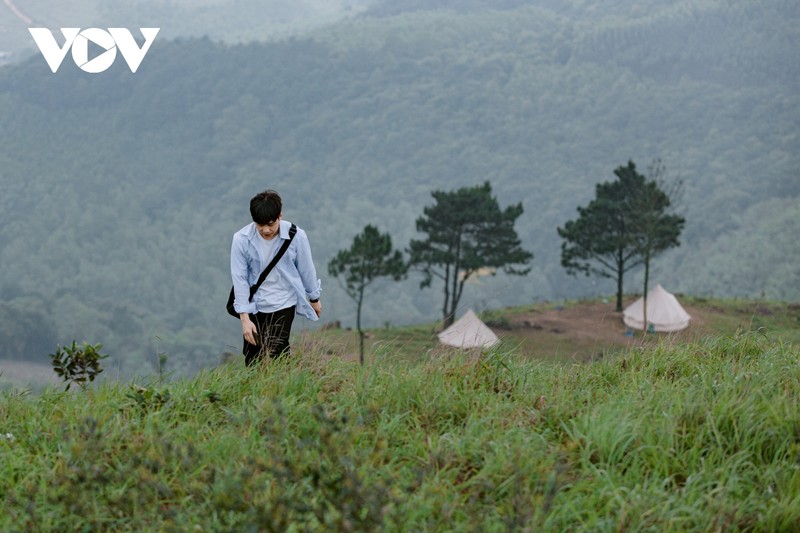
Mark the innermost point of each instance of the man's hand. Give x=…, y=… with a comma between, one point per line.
x=317, y=306
x=249, y=331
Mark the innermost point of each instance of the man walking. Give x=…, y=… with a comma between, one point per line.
x=290, y=287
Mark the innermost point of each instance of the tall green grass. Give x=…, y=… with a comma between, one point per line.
x=698, y=437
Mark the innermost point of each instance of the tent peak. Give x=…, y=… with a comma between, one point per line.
x=663, y=311
x=468, y=332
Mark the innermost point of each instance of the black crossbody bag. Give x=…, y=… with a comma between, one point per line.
x=264, y=274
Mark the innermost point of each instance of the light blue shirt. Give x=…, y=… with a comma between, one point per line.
x=295, y=271
x=278, y=292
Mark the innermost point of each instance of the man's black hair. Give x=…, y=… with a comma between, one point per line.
x=266, y=207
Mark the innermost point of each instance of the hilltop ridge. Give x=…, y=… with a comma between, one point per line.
x=575, y=331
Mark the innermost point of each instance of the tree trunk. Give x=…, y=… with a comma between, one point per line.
x=620, y=272
x=448, y=320
x=447, y=315
x=458, y=290
x=358, y=326
x=646, y=281
x=445, y=308
x=450, y=314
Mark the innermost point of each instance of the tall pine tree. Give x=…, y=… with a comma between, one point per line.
x=466, y=231
x=623, y=227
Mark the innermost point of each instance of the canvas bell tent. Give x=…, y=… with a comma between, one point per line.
x=468, y=332
x=663, y=312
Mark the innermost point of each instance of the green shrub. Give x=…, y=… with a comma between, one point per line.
x=78, y=364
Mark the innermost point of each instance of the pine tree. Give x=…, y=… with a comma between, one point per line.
x=623, y=227
x=369, y=258
x=467, y=231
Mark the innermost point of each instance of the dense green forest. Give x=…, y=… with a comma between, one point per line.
x=121, y=191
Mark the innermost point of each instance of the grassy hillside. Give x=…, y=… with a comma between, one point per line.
x=700, y=437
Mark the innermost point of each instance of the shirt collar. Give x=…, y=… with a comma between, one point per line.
x=252, y=233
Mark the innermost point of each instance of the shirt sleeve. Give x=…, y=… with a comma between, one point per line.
x=305, y=266
x=241, y=286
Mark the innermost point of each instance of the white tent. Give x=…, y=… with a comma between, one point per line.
x=468, y=332
x=663, y=312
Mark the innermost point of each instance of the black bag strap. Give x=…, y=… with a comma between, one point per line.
x=271, y=265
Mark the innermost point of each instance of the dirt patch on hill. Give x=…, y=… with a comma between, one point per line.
x=587, y=330
x=577, y=332
x=597, y=322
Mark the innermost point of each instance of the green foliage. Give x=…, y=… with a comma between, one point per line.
x=698, y=437
x=623, y=227
x=147, y=399
x=78, y=364
x=466, y=231
x=370, y=257
x=763, y=239
x=339, y=497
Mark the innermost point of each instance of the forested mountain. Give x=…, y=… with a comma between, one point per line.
x=121, y=191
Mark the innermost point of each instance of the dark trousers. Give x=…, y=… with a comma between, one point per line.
x=273, y=331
